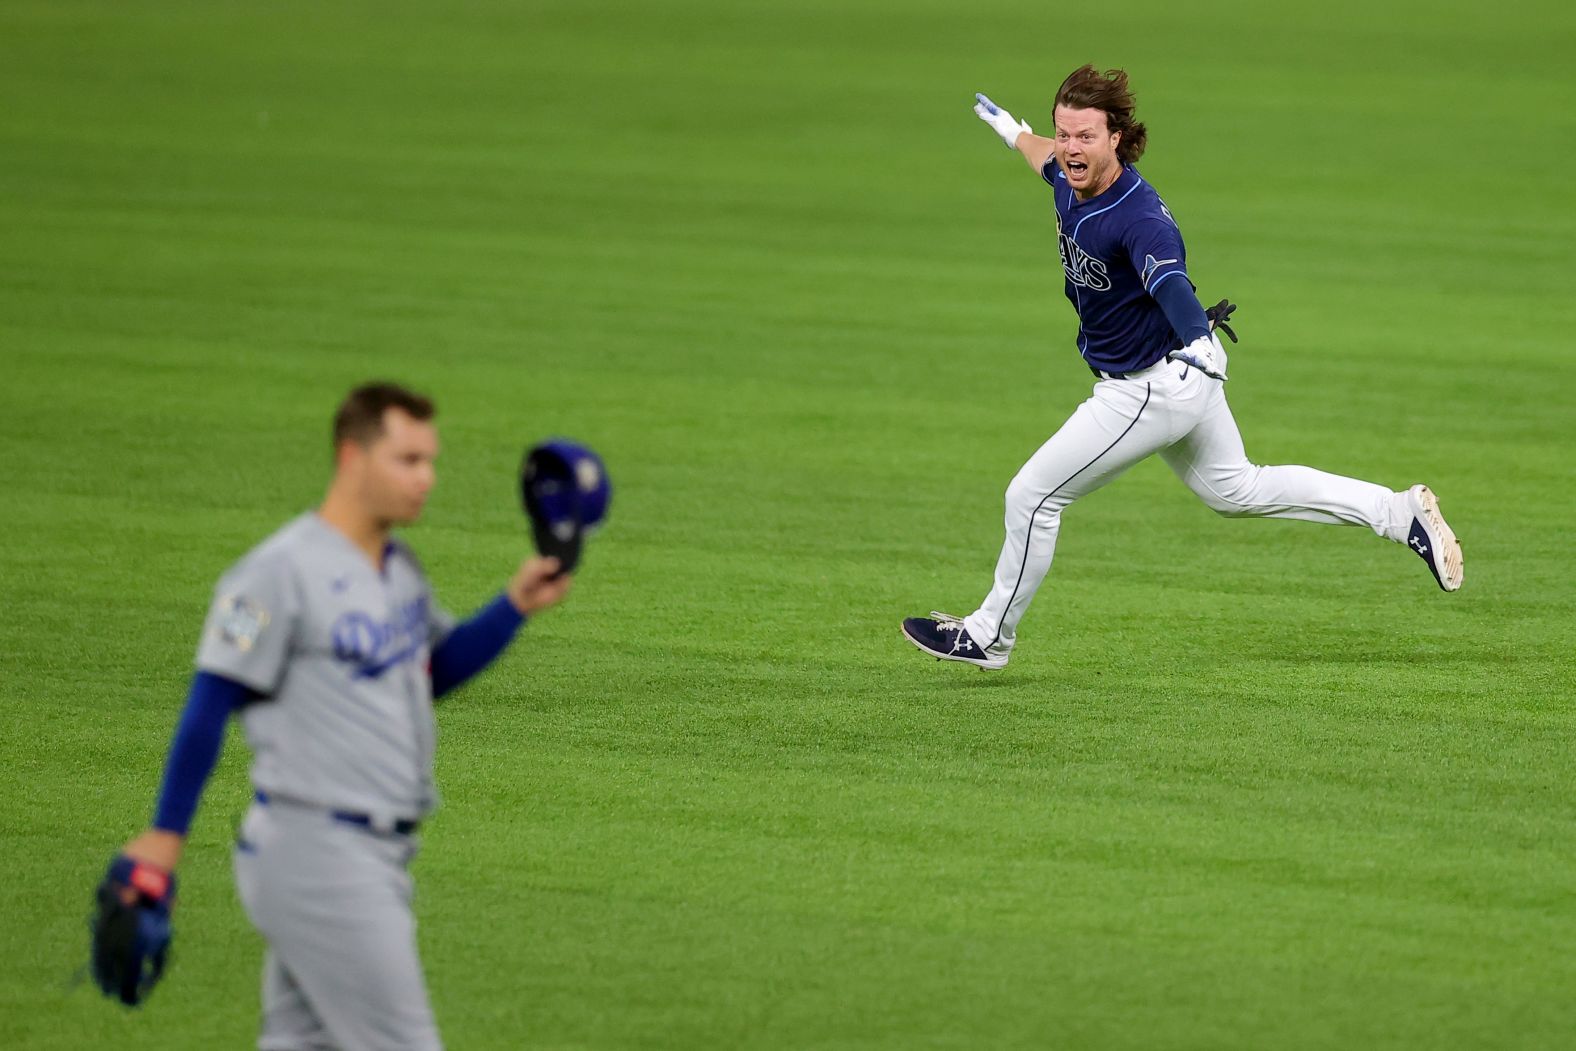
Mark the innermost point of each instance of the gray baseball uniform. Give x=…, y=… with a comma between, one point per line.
x=343, y=745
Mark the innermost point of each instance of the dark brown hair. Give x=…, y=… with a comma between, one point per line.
x=359, y=418
x=1087, y=88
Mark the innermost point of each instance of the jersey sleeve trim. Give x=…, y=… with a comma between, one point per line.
x=1169, y=273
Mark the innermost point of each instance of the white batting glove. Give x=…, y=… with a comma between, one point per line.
x=1002, y=122
x=1205, y=354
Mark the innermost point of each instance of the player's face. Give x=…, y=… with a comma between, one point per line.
x=396, y=472
x=1086, y=150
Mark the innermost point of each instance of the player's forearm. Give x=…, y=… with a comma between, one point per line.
x=1036, y=149
x=1181, y=307
x=473, y=645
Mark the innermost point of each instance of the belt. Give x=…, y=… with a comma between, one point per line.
x=1105, y=375
x=400, y=826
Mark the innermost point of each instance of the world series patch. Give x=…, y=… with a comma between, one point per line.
x=241, y=621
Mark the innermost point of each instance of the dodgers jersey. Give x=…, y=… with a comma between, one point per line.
x=1116, y=249
x=339, y=654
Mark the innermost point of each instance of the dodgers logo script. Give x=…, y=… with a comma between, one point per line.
x=375, y=646
x=1082, y=268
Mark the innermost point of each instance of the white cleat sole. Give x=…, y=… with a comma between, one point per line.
x=1443, y=553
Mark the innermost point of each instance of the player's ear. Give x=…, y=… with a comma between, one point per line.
x=346, y=454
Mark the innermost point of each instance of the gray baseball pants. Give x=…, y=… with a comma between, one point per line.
x=332, y=900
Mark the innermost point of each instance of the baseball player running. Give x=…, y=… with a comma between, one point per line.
x=326, y=640
x=1160, y=371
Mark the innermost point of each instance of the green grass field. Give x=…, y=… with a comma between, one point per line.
x=1244, y=785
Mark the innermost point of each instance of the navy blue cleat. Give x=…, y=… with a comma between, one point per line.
x=943, y=637
x=1433, y=540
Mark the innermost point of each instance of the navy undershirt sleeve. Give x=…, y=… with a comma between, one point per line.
x=1182, y=309
x=474, y=644
x=195, y=748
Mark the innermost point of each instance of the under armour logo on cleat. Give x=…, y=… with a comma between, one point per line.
x=1417, y=545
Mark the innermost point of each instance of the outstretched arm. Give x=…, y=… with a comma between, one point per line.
x=1036, y=149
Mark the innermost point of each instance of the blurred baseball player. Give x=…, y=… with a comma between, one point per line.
x=326, y=640
x=1160, y=372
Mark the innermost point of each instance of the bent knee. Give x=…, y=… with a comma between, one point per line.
x=1025, y=499
x=1227, y=505
x=1021, y=494
x=1233, y=495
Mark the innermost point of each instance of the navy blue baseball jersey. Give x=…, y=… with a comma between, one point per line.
x=1116, y=250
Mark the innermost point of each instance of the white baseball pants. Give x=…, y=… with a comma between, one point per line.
x=1177, y=411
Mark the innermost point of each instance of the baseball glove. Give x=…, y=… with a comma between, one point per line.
x=131, y=929
x=1219, y=314
x=565, y=490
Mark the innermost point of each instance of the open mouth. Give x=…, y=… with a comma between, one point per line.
x=1076, y=168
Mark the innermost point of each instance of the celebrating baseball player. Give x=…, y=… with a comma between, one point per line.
x=326, y=640
x=1160, y=371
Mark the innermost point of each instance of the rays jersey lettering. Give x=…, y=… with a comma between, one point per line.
x=1115, y=250
x=1082, y=268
